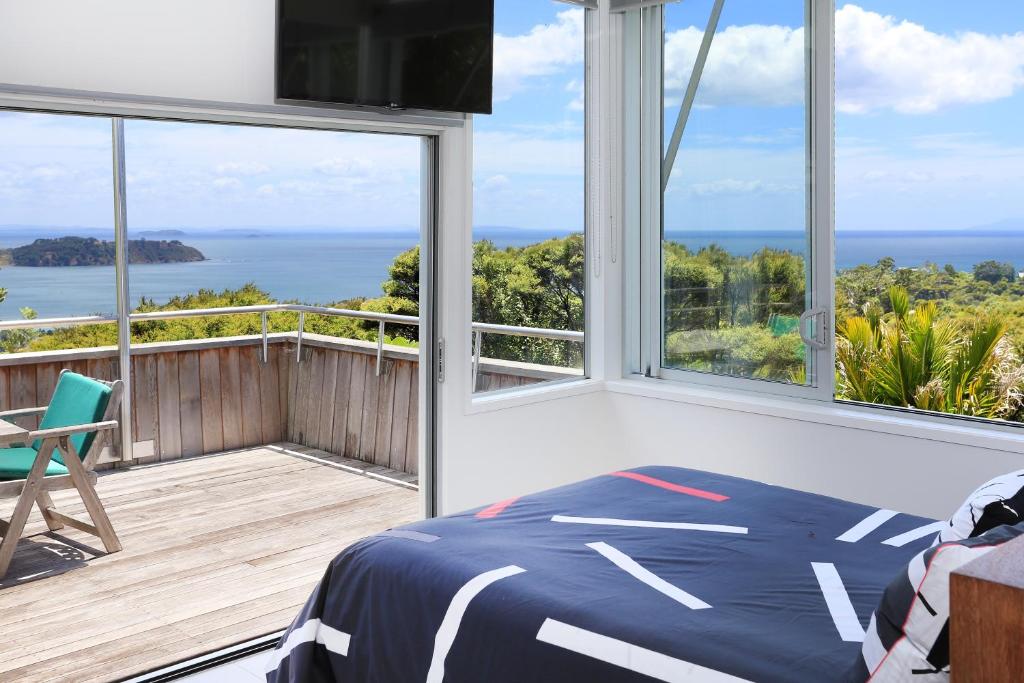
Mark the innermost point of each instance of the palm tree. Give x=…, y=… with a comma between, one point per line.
x=910, y=358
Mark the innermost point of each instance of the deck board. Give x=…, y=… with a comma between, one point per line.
x=217, y=549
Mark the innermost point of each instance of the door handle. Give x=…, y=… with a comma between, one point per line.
x=818, y=341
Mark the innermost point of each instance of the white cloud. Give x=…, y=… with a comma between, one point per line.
x=347, y=166
x=576, y=88
x=242, y=168
x=47, y=172
x=752, y=65
x=495, y=183
x=908, y=176
x=734, y=187
x=545, y=50
x=882, y=63
x=227, y=183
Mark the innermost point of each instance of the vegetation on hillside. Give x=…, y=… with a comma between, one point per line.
x=89, y=251
x=225, y=325
x=540, y=285
x=931, y=338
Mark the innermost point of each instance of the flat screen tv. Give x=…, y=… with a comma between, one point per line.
x=396, y=54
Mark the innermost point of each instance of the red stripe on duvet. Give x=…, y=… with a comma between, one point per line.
x=496, y=509
x=661, y=483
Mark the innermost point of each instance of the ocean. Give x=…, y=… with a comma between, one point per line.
x=325, y=268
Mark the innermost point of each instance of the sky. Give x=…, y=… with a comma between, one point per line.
x=929, y=98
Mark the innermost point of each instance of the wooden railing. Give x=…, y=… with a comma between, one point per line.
x=205, y=396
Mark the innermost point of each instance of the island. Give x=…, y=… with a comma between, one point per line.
x=89, y=251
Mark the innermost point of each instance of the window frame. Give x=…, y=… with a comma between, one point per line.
x=597, y=44
x=644, y=344
x=641, y=290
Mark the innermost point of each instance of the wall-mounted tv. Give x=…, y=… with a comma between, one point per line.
x=397, y=54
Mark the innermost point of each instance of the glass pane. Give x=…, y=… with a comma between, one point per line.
x=309, y=216
x=56, y=186
x=528, y=250
x=735, y=249
x=227, y=216
x=57, y=251
x=929, y=207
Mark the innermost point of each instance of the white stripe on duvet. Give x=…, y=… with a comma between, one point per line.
x=453, y=617
x=838, y=601
x=633, y=568
x=312, y=631
x=909, y=537
x=628, y=656
x=867, y=525
x=687, y=526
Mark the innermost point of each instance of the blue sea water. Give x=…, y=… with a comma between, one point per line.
x=962, y=248
x=311, y=268
x=331, y=267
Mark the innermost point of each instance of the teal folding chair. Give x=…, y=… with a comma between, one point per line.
x=62, y=454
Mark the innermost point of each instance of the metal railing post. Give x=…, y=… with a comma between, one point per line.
x=478, y=343
x=380, y=345
x=298, y=340
x=263, y=326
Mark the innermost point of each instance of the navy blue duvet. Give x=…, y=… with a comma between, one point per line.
x=604, y=581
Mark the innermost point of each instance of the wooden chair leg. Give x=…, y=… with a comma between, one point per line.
x=92, y=501
x=24, y=506
x=45, y=504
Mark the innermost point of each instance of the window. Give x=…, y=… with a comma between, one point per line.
x=733, y=233
x=57, y=241
x=259, y=215
x=230, y=216
x=743, y=274
x=316, y=232
x=929, y=209
x=529, y=186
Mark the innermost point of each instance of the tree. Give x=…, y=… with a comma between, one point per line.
x=404, y=276
x=540, y=285
x=911, y=358
x=994, y=271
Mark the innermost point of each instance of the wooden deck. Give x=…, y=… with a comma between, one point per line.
x=217, y=549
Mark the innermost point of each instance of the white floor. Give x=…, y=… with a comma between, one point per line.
x=245, y=670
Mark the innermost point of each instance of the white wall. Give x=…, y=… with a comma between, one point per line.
x=915, y=475
x=210, y=50
x=500, y=446
x=495, y=455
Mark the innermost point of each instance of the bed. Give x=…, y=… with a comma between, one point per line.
x=656, y=573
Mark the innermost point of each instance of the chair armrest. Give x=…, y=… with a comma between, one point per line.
x=22, y=412
x=57, y=432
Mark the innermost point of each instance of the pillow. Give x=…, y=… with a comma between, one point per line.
x=908, y=636
x=997, y=502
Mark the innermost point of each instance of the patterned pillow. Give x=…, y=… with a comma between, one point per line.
x=997, y=502
x=908, y=637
